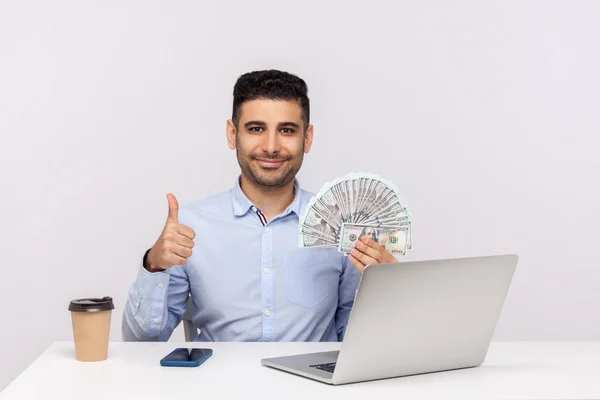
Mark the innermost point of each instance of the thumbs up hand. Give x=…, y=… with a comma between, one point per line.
x=175, y=243
x=173, y=209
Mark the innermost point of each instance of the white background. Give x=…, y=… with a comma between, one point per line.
x=484, y=114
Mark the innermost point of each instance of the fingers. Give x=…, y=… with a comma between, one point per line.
x=357, y=264
x=185, y=242
x=173, y=259
x=173, y=218
x=366, y=249
x=186, y=231
x=373, y=244
x=172, y=241
x=182, y=251
x=374, y=252
x=175, y=244
x=362, y=257
x=173, y=208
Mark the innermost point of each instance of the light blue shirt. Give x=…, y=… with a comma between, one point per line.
x=248, y=278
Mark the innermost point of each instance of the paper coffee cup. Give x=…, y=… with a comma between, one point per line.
x=91, y=327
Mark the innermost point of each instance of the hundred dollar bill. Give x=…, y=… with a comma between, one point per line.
x=308, y=230
x=307, y=240
x=399, y=242
x=394, y=238
x=320, y=223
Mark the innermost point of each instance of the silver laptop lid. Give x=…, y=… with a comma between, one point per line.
x=425, y=316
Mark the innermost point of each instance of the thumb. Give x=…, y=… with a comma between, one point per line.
x=173, y=208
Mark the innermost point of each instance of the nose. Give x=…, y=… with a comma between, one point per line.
x=271, y=143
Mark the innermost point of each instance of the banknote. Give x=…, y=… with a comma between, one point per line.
x=357, y=199
x=313, y=241
x=394, y=238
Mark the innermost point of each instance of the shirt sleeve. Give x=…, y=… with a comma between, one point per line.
x=155, y=304
x=346, y=293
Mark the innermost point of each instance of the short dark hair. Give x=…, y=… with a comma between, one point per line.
x=270, y=84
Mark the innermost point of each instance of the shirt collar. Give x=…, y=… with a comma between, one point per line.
x=241, y=203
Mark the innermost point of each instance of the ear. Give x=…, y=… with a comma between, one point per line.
x=308, y=138
x=231, y=132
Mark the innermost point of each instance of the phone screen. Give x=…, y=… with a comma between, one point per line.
x=184, y=354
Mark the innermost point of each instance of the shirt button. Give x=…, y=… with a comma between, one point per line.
x=160, y=284
x=267, y=229
x=266, y=270
x=155, y=320
x=254, y=209
x=268, y=313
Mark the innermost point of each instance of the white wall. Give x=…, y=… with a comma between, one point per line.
x=485, y=114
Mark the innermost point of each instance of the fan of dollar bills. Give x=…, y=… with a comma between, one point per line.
x=355, y=205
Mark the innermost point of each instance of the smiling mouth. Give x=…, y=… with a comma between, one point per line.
x=270, y=163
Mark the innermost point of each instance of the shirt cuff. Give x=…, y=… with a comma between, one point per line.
x=152, y=285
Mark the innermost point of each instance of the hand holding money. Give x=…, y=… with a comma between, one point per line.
x=355, y=206
x=392, y=238
x=366, y=251
x=174, y=246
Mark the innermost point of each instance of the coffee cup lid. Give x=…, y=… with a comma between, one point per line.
x=92, y=304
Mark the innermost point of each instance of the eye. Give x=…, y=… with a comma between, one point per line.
x=287, y=130
x=255, y=129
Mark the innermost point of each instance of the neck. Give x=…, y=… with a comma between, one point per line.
x=271, y=201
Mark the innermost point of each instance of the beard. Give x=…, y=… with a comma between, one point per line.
x=270, y=177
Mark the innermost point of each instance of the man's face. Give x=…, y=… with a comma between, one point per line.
x=270, y=141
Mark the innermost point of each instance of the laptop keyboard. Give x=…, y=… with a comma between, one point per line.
x=329, y=367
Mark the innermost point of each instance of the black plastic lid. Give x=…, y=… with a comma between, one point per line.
x=91, y=304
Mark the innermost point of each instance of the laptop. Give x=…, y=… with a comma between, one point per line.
x=413, y=318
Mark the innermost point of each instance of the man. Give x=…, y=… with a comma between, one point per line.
x=236, y=253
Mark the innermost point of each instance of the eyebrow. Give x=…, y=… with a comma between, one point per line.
x=289, y=123
x=281, y=124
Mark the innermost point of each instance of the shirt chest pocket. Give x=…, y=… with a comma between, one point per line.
x=310, y=276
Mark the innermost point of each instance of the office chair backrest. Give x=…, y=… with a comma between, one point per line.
x=189, y=329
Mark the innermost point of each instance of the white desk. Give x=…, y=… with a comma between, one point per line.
x=523, y=370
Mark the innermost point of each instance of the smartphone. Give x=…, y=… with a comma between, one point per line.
x=183, y=357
